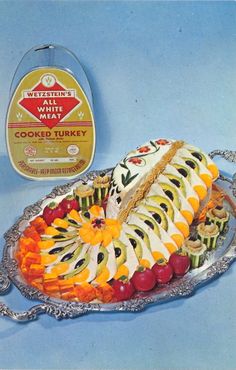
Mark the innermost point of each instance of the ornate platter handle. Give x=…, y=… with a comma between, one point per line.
x=6, y=311
x=66, y=311
x=28, y=315
x=230, y=156
x=58, y=311
x=4, y=281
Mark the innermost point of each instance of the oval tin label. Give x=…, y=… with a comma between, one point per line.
x=50, y=126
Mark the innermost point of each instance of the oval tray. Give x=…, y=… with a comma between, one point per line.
x=217, y=262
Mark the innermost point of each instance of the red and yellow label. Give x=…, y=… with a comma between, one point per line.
x=50, y=126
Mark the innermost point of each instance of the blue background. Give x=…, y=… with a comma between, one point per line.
x=157, y=69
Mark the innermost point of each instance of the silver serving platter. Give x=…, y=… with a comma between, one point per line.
x=217, y=262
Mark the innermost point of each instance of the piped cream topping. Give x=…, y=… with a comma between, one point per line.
x=208, y=230
x=84, y=190
x=218, y=212
x=101, y=182
x=194, y=245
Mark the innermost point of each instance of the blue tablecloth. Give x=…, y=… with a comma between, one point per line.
x=157, y=69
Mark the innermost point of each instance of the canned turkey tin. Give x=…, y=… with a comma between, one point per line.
x=50, y=127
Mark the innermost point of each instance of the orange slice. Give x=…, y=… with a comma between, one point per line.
x=188, y=216
x=87, y=225
x=61, y=223
x=97, y=237
x=122, y=271
x=207, y=179
x=107, y=238
x=83, y=231
x=194, y=203
x=96, y=210
x=115, y=231
x=111, y=222
x=51, y=231
x=178, y=238
x=87, y=238
x=214, y=170
x=171, y=247
x=75, y=215
x=145, y=263
x=103, y=276
x=60, y=268
x=201, y=191
x=184, y=228
x=46, y=244
x=47, y=259
x=157, y=255
x=82, y=276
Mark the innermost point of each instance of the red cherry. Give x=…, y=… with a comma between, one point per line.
x=59, y=212
x=180, y=263
x=69, y=203
x=48, y=215
x=163, y=272
x=51, y=212
x=123, y=290
x=143, y=279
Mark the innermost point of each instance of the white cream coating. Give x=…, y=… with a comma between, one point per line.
x=74, y=246
x=140, y=171
x=84, y=250
x=146, y=254
x=131, y=259
x=111, y=264
x=93, y=262
x=68, y=229
x=206, y=156
x=195, y=180
x=73, y=241
x=184, y=153
x=116, y=202
x=190, y=192
x=164, y=236
x=156, y=189
x=156, y=244
x=185, y=205
x=171, y=228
